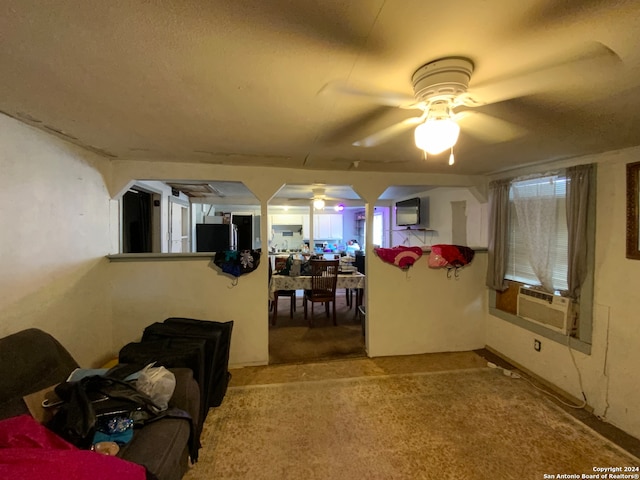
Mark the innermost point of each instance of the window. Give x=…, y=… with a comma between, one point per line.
x=552, y=191
x=537, y=215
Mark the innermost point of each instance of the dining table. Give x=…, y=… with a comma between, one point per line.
x=350, y=280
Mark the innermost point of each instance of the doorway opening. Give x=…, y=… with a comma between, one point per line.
x=299, y=228
x=137, y=222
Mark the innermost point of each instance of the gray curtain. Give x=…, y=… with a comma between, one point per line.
x=498, y=233
x=579, y=186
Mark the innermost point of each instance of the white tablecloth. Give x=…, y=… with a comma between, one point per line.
x=284, y=282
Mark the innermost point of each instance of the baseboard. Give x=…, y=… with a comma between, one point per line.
x=550, y=386
x=258, y=363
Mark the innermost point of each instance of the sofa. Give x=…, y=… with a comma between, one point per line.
x=32, y=360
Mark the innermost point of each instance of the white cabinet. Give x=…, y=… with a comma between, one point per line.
x=336, y=226
x=321, y=226
x=327, y=226
x=286, y=219
x=290, y=219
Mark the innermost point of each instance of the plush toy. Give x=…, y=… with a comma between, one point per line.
x=400, y=256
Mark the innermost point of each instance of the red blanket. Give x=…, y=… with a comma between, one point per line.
x=29, y=451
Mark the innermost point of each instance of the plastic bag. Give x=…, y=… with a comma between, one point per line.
x=158, y=383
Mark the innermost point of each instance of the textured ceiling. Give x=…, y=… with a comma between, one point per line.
x=237, y=82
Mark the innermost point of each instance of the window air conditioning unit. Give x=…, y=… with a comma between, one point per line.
x=550, y=311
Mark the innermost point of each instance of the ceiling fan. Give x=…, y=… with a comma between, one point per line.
x=442, y=93
x=318, y=197
x=439, y=87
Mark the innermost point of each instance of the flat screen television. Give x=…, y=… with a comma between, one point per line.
x=408, y=212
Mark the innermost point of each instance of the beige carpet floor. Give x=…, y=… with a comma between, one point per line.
x=463, y=424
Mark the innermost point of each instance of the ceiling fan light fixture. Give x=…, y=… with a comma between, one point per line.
x=318, y=203
x=436, y=135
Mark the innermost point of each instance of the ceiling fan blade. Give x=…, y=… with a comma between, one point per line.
x=317, y=23
x=368, y=121
x=381, y=97
x=388, y=133
x=596, y=62
x=487, y=128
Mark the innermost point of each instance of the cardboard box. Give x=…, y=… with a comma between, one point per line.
x=36, y=404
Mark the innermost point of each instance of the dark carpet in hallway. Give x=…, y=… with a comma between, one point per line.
x=291, y=340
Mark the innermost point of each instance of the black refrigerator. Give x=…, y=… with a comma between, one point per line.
x=215, y=237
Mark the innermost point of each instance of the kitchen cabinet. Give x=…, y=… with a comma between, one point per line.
x=327, y=226
x=286, y=219
x=321, y=226
x=290, y=219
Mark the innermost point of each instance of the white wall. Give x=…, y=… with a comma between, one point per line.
x=421, y=310
x=610, y=374
x=53, y=238
x=349, y=224
x=150, y=291
x=440, y=220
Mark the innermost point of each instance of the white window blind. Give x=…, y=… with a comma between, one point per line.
x=518, y=265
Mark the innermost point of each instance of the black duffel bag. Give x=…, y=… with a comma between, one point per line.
x=86, y=400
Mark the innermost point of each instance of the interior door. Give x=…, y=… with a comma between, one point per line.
x=178, y=228
x=136, y=222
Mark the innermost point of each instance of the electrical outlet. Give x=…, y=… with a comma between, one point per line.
x=537, y=345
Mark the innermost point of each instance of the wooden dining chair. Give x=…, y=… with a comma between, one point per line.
x=324, y=278
x=281, y=293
